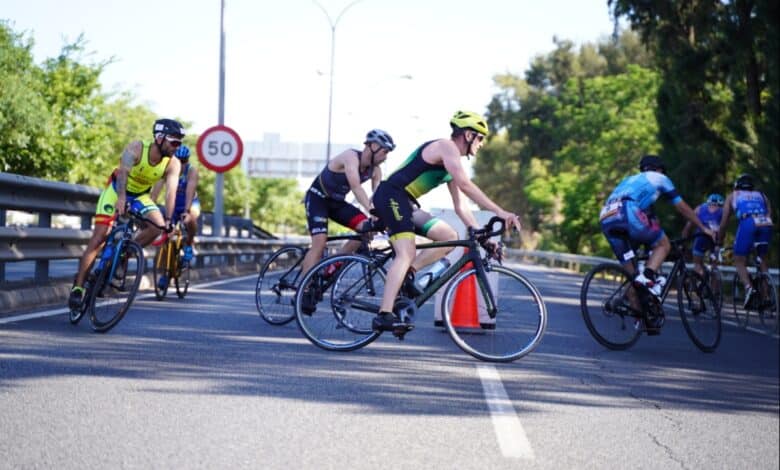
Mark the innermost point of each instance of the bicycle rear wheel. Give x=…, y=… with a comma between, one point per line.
x=277, y=283
x=741, y=315
x=519, y=324
x=699, y=310
x=767, y=302
x=161, y=270
x=344, y=302
x=606, y=309
x=115, y=287
x=182, y=277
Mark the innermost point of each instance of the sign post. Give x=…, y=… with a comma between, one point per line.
x=219, y=149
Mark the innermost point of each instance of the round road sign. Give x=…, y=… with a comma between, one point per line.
x=220, y=148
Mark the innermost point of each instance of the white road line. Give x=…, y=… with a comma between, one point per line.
x=60, y=311
x=509, y=431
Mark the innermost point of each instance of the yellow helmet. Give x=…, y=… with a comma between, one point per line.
x=469, y=120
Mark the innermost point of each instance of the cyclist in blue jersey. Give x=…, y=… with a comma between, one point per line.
x=754, y=227
x=187, y=205
x=709, y=213
x=628, y=211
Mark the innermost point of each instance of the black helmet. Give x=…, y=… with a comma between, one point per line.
x=652, y=162
x=168, y=127
x=744, y=181
x=382, y=138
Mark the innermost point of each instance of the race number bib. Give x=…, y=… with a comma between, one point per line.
x=610, y=209
x=762, y=220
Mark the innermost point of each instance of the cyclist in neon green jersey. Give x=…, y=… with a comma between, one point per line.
x=141, y=165
x=433, y=163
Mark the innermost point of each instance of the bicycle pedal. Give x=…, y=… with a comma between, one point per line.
x=399, y=331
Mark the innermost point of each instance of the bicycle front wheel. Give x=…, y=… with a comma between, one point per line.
x=276, y=285
x=337, y=300
x=716, y=286
x=737, y=298
x=182, y=277
x=116, y=286
x=767, y=302
x=699, y=310
x=161, y=271
x=520, y=318
x=605, y=301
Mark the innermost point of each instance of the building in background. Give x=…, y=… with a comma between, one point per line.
x=274, y=158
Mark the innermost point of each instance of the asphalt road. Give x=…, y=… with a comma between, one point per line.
x=204, y=383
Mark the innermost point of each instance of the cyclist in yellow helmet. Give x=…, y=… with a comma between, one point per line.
x=395, y=201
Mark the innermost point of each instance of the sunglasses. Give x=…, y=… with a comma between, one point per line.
x=478, y=137
x=173, y=140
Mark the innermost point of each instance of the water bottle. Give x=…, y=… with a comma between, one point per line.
x=425, y=278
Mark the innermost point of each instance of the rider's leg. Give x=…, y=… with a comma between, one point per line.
x=439, y=232
x=314, y=254
x=660, y=250
x=99, y=235
x=150, y=232
x=404, y=247
x=698, y=264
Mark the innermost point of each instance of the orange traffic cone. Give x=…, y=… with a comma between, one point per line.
x=464, y=309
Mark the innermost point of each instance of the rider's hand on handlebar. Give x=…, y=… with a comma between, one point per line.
x=512, y=220
x=168, y=226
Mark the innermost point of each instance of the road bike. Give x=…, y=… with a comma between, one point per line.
x=512, y=316
x=169, y=265
x=764, y=302
x=278, y=280
x=111, y=286
x=617, y=312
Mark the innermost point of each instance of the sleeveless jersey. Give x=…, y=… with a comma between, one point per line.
x=335, y=185
x=181, y=188
x=709, y=219
x=416, y=176
x=143, y=175
x=747, y=203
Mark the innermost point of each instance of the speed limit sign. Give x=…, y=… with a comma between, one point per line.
x=220, y=148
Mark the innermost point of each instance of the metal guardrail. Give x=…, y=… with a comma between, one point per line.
x=576, y=262
x=43, y=242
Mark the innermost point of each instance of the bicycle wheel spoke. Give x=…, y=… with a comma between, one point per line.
x=113, y=296
x=519, y=323
x=767, y=302
x=342, y=305
x=606, y=300
x=699, y=311
x=276, y=285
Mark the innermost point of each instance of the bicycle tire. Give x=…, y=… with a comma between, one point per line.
x=277, y=283
x=699, y=311
x=117, y=292
x=767, y=302
x=603, y=306
x=716, y=286
x=345, y=307
x=182, y=277
x=519, y=324
x=741, y=315
x=161, y=269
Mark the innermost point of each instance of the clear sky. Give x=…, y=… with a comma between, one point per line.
x=278, y=57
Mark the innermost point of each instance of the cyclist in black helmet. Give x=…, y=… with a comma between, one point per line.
x=141, y=165
x=627, y=220
x=754, y=227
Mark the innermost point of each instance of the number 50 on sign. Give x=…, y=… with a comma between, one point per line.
x=220, y=148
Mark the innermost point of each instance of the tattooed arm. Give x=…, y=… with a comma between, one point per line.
x=130, y=157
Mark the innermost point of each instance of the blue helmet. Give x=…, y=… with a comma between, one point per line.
x=183, y=152
x=715, y=199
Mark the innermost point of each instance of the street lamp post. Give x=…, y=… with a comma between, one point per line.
x=333, y=25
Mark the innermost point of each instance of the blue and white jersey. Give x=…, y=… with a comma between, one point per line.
x=709, y=219
x=645, y=188
x=747, y=203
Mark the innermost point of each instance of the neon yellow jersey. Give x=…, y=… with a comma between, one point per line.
x=143, y=175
